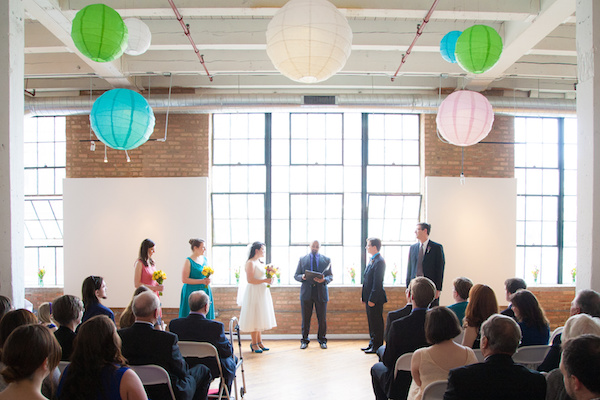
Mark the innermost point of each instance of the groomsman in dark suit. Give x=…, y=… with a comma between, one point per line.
x=143, y=345
x=314, y=292
x=373, y=294
x=426, y=258
x=197, y=328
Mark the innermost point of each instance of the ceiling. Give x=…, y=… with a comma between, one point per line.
x=539, y=58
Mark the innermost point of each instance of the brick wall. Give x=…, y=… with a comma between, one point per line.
x=345, y=312
x=186, y=151
x=488, y=159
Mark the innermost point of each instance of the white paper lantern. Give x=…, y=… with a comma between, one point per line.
x=465, y=118
x=309, y=40
x=140, y=37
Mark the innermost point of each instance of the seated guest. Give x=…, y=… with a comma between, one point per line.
x=127, y=318
x=585, y=302
x=512, y=285
x=67, y=310
x=97, y=369
x=197, y=328
x=142, y=345
x=535, y=328
x=392, y=316
x=577, y=325
x=93, y=291
x=407, y=334
x=460, y=293
x=44, y=316
x=29, y=354
x=431, y=364
x=580, y=365
x=498, y=377
x=5, y=306
x=483, y=304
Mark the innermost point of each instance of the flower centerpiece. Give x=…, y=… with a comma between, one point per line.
x=394, y=273
x=352, y=273
x=574, y=273
x=237, y=275
x=535, y=273
x=159, y=276
x=41, y=273
x=271, y=271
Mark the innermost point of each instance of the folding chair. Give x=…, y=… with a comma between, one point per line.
x=62, y=365
x=435, y=390
x=153, y=375
x=403, y=363
x=479, y=355
x=458, y=339
x=555, y=333
x=203, y=350
x=531, y=356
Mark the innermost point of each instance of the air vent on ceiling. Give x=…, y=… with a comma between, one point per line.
x=319, y=100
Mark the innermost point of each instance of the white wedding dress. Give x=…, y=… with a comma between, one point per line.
x=257, y=312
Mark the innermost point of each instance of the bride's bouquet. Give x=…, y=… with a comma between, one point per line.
x=271, y=271
x=159, y=276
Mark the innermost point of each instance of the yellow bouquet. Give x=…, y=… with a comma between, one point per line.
x=159, y=276
x=207, y=271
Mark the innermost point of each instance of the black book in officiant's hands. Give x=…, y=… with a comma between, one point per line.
x=310, y=275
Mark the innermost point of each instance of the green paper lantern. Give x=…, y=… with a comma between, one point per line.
x=478, y=49
x=99, y=33
x=122, y=119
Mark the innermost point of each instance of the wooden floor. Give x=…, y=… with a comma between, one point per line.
x=342, y=371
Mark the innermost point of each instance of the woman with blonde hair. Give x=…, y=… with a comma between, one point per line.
x=30, y=353
x=483, y=304
x=44, y=315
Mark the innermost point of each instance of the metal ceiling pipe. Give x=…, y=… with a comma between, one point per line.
x=201, y=104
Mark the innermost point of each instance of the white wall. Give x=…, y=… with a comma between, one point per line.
x=476, y=224
x=106, y=219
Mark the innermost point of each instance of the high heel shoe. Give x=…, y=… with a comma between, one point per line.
x=263, y=348
x=259, y=350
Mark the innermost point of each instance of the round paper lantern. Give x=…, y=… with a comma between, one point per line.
x=478, y=49
x=140, y=37
x=122, y=119
x=448, y=44
x=464, y=118
x=309, y=40
x=99, y=33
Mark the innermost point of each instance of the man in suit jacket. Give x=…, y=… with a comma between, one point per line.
x=314, y=292
x=393, y=316
x=498, y=377
x=426, y=258
x=142, y=345
x=197, y=328
x=407, y=334
x=580, y=367
x=373, y=294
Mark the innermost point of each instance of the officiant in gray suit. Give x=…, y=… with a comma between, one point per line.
x=314, y=272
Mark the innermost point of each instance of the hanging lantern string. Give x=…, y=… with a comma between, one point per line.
x=420, y=29
x=462, y=167
x=186, y=31
x=437, y=131
x=168, y=108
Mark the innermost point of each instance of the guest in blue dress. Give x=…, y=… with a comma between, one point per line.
x=93, y=290
x=98, y=369
x=193, y=279
x=531, y=318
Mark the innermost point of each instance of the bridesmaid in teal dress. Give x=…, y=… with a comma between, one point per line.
x=193, y=279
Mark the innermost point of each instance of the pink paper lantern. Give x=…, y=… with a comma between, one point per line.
x=465, y=118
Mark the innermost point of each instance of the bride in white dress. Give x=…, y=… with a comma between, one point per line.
x=257, y=312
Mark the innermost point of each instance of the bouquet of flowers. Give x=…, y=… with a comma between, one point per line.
x=395, y=273
x=574, y=273
x=535, y=273
x=271, y=271
x=159, y=276
x=207, y=271
x=41, y=273
x=352, y=273
x=237, y=274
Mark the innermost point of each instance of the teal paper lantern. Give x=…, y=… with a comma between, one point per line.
x=122, y=119
x=478, y=49
x=99, y=33
x=447, y=46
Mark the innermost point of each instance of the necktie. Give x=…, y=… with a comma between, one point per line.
x=420, y=260
x=313, y=262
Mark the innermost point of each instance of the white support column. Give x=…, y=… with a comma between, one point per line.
x=12, y=65
x=588, y=136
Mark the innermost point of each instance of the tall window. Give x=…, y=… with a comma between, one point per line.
x=546, y=172
x=289, y=178
x=45, y=160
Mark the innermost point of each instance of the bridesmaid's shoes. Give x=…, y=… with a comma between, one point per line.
x=258, y=349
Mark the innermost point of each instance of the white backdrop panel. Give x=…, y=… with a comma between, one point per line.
x=106, y=219
x=476, y=224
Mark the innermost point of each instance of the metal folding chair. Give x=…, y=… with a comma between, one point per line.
x=153, y=375
x=204, y=350
x=531, y=356
x=403, y=363
x=435, y=390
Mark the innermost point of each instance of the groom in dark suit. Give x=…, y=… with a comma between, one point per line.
x=314, y=292
x=197, y=328
x=143, y=345
x=373, y=294
x=426, y=258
